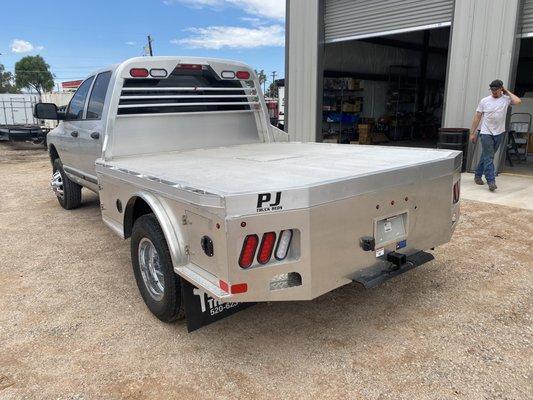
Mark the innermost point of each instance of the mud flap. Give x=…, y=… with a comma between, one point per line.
x=201, y=309
x=411, y=262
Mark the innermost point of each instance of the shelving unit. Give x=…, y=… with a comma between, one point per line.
x=403, y=92
x=335, y=106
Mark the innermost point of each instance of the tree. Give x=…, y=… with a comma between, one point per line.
x=33, y=72
x=261, y=76
x=6, y=81
x=272, y=91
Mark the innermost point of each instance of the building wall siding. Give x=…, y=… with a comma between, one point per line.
x=303, y=75
x=482, y=49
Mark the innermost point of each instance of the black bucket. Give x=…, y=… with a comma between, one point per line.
x=454, y=139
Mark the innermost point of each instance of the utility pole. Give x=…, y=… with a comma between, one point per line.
x=273, y=81
x=150, y=50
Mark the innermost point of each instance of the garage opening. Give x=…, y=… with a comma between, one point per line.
x=386, y=89
x=519, y=157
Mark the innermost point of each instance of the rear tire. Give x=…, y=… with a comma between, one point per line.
x=159, y=285
x=71, y=196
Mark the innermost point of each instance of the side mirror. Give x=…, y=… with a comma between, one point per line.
x=47, y=111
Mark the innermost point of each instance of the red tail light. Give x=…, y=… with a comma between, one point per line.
x=267, y=245
x=139, y=72
x=248, y=251
x=456, y=192
x=242, y=75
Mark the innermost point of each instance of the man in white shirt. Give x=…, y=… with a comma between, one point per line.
x=492, y=113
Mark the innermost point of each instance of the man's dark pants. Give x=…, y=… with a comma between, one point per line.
x=489, y=146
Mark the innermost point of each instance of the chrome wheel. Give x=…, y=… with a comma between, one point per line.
x=151, y=270
x=57, y=184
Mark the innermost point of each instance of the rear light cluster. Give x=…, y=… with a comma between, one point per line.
x=456, y=192
x=242, y=75
x=144, y=73
x=271, y=243
x=162, y=73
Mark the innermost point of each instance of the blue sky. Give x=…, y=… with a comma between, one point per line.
x=76, y=37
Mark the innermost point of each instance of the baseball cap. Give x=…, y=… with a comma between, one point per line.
x=496, y=84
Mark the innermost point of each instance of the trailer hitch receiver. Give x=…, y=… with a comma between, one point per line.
x=397, y=259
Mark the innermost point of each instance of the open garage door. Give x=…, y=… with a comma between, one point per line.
x=527, y=19
x=358, y=19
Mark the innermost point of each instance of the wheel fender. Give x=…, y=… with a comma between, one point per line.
x=173, y=233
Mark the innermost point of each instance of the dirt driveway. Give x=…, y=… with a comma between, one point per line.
x=72, y=325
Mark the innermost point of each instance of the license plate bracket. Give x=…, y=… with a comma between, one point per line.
x=390, y=229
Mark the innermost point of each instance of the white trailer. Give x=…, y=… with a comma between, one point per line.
x=17, y=109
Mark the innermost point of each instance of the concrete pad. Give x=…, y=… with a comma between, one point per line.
x=513, y=190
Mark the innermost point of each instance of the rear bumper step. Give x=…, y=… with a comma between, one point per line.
x=411, y=262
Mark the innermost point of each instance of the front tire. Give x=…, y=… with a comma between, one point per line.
x=68, y=192
x=152, y=266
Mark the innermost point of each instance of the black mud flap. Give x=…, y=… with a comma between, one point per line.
x=412, y=261
x=201, y=309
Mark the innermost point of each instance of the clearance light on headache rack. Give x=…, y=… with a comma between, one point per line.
x=139, y=72
x=228, y=74
x=243, y=75
x=284, y=243
x=158, y=72
x=194, y=67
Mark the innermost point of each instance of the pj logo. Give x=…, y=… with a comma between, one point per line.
x=266, y=203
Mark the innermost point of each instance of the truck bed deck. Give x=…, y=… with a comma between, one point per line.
x=261, y=167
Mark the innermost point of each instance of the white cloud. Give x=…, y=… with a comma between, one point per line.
x=274, y=9
x=271, y=9
x=131, y=43
x=253, y=20
x=23, y=46
x=195, y=3
x=217, y=37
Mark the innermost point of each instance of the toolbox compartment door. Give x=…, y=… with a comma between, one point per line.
x=207, y=245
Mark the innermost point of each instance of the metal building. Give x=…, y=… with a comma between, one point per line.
x=455, y=48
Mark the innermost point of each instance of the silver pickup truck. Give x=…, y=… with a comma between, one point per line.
x=186, y=164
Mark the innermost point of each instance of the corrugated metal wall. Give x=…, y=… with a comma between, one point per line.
x=527, y=19
x=302, y=72
x=482, y=49
x=357, y=19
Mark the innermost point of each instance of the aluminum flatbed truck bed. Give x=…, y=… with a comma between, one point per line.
x=331, y=195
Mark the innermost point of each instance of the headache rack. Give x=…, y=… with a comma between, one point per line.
x=187, y=91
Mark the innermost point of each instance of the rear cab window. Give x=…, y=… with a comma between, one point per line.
x=77, y=104
x=98, y=94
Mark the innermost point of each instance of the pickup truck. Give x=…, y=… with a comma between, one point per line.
x=187, y=165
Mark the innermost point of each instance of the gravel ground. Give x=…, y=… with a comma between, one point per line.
x=73, y=326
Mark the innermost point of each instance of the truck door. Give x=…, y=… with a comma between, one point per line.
x=69, y=149
x=91, y=134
